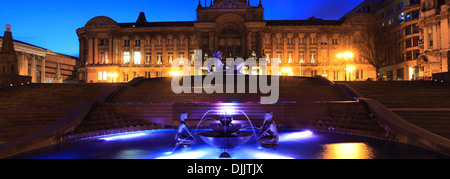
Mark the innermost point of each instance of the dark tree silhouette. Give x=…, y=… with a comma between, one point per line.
x=378, y=44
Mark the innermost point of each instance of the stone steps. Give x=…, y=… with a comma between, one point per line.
x=420, y=95
x=29, y=108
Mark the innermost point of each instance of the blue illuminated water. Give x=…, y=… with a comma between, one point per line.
x=294, y=144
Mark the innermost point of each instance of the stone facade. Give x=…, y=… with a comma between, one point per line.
x=434, y=24
x=424, y=27
x=42, y=65
x=118, y=52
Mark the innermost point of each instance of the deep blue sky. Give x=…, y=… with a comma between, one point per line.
x=52, y=24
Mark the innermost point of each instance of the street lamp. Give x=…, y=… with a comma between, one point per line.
x=345, y=56
x=113, y=76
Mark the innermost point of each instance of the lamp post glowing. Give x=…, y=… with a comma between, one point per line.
x=345, y=56
x=113, y=76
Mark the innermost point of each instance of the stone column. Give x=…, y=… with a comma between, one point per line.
x=43, y=70
x=435, y=37
x=21, y=66
x=285, y=54
x=142, y=50
x=90, y=59
x=165, y=60
x=274, y=44
x=111, y=51
x=33, y=69
x=82, y=56
x=25, y=58
x=444, y=33
x=249, y=43
x=96, y=51
x=426, y=38
x=153, y=44
x=296, y=49
x=116, y=49
x=261, y=45
x=307, y=58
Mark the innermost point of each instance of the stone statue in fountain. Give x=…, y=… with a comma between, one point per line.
x=184, y=137
x=269, y=132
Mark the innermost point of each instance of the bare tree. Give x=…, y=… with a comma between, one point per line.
x=379, y=44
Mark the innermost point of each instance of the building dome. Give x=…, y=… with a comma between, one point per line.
x=101, y=21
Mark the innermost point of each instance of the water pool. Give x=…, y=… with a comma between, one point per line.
x=294, y=144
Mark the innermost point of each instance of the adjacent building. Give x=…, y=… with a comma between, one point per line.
x=434, y=34
x=42, y=65
x=423, y=25
x=118, y=52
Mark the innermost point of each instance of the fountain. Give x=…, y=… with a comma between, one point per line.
x=227, y=135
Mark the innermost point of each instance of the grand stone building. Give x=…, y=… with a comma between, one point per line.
x=118, y=52
x=42, y=65
x=424, y=27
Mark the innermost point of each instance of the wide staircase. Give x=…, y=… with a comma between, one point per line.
x=422, y=103
x=26, y=109
x=308, y=103
x=291, y=89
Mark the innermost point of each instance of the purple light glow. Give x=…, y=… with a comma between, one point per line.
x=122, y=136
x=227, y=108
x=294, y=136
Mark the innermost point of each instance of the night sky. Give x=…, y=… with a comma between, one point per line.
x=51, y=24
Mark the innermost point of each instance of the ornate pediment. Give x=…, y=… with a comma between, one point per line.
x=229, y=4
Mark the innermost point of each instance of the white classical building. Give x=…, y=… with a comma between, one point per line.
x=434, y=25
x=43, y=65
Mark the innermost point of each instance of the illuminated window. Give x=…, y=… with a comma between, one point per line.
x=105, y=76
x=192, y=54
x=336, y=75
x=102, y=76
x=301, y=56
x=102, y=58
x=159, y=58
x=125, y=76
x=181, y=58
x=279, y=56
x=268, y=57
x=148, y=58
x=313, y=57
x=137, y=58
x=126, y=58
x=170, y=55
x=106, y=58
x=290, y=55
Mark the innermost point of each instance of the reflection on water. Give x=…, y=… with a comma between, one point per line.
x=347, y=151
x=294, y=144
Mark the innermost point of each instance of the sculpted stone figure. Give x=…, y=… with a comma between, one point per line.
x=269, y=132
x=184, y=137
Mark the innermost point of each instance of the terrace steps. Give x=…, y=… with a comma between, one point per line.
x=422, y=103
x=28, y=108
x=303, y=103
